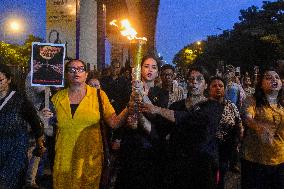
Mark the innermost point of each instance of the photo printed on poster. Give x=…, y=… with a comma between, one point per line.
x=47, y=64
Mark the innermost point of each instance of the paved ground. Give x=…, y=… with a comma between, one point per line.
x=232, y=181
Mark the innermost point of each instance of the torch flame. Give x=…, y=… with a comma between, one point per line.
x=126, y=29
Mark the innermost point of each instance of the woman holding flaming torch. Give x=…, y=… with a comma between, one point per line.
x=142, y=141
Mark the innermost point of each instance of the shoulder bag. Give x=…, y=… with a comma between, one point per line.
x=106, y=170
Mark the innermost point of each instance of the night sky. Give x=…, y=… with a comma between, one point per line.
x=31, y=12
x=180, y=22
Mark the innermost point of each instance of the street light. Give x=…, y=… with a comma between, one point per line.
x=12, y=26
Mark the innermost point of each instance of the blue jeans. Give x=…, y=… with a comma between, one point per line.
x=259, y=176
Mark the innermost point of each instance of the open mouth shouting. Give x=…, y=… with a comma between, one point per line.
x=274, y=85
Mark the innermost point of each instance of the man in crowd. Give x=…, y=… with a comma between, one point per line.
x=116, y=87
x=234, y=91
x=176, y=92
x=118, y=90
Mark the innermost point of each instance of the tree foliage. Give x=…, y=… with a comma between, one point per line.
x=17, y=55
x=188, y=55
x=257, y=39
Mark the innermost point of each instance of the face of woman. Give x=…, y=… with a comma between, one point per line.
x=196, y=83
x=4, y=83
x=76, y=73
x=271, y=82
x=149, y=70
x=216, y=89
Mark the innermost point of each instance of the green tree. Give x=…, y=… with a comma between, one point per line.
x=188, y=55
x=17, y=55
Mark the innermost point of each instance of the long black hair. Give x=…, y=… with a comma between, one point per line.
x=153, y=56
x=259, y=94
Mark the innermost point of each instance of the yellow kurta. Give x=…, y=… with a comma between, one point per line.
x=255, y=148
x=79, y=148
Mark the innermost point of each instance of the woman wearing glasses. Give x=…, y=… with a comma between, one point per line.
x=263, y=145
x=79, y=146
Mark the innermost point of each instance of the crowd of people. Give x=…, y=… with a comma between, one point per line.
x=154, y=133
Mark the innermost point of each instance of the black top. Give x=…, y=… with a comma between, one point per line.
x=16, y=117
x=21, y=109
x=73, y=108
x=197, y=128
x=178, y=106
x=142, y=153
x=138, y=138
x=118, y=91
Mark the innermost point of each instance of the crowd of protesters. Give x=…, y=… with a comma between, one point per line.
x=160, y=132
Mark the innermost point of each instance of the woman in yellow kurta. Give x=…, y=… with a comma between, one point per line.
x=79, y=148
x=263, y=143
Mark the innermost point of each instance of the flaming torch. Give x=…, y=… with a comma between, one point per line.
x=138, y=42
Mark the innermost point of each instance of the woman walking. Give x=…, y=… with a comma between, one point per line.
x=263, y=146
x=79, y=145
x=16, y=114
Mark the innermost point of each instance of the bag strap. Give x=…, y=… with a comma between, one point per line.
x=103, y=131
x=7, y=99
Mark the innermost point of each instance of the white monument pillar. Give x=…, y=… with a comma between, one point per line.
x=88, y=32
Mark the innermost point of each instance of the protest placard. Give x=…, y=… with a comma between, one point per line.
x=47, y=64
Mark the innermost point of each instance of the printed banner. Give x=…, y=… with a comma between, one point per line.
x=61, y=24
x=47, y=64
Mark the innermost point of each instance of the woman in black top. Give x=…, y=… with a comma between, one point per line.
x=16, y=113
x=141, y=146
x=189, y=166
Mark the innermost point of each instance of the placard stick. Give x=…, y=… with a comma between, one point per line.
x=46, y=97
x=46, y=103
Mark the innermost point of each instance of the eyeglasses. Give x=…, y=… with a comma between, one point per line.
x=198, y=79
x=74, y=69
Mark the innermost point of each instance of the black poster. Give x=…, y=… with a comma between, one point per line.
x=47, y=64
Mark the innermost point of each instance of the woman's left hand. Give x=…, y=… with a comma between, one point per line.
x=46, y=113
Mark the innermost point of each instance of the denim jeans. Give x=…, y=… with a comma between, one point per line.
x=259, y=176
